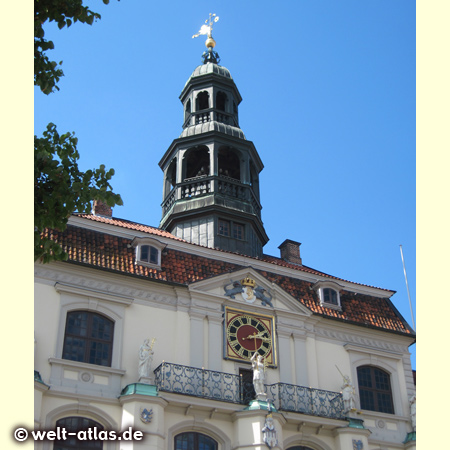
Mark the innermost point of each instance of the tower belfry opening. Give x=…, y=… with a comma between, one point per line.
x=211, y=171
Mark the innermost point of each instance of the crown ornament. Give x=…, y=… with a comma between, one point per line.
x=247, y=281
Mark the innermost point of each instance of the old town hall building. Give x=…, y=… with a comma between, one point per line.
x=191, y=334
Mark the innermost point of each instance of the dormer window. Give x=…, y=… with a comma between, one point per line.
x=148, y=252
x=328, y=293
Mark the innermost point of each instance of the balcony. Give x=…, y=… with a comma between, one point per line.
x=228, y=187
x=226, y=387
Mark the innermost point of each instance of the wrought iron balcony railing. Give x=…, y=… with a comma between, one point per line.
x=228, y=387
x=300, y=399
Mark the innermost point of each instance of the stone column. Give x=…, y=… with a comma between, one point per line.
x=248, y=429
x=285, y=363
x=214, y=165
x=311, y=361
x=145, y=413
x=300, y=360
x=197, y=340
x=346, y=437
x=215, y=333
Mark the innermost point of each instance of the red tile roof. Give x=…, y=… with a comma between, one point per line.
x=158, y=232
x=108, y=252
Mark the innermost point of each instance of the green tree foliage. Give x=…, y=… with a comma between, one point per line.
x=60, y=188
x=64, y=13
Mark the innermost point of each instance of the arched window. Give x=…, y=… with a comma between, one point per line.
x=221, y=101
x=202, y=100
x=73, y=425
x=375, y=391
x=194, y=441
x=229, y=163
x=300, y=447
x=88, y=338
x=187, y=109
x=172, y=174
x=197, y=162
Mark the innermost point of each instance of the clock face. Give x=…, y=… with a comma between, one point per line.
x=249, y=333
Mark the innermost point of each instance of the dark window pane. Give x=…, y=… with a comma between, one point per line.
x=144, y=252
x=77, y=324
x=149, y=254
x=238, y=231
x=73, y=425
x=224, y=228
x=153, y=255
x=330, y=296
x=88, y=338
x=74, y=349
x=194, y=441
x=184, y=441
x=206, y=443
x=375, y=389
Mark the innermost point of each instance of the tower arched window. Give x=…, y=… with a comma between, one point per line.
x=196, y=162
x=187, y=109
x=229, y=163
x=74, y=425
x=172, y=174
x=88, y=338
x=194, y=441
x=202, y=100
x=221, y=100
x=375, y=391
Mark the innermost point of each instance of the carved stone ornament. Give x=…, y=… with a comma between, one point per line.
x=249, y=291
x=269, y=432
x=146, y=415
x=357, y=444
x=86, y=377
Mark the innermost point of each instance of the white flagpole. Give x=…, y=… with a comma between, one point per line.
x=407, y=288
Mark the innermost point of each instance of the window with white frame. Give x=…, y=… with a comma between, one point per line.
x=328, y=293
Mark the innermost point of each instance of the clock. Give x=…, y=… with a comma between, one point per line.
x=247, y=333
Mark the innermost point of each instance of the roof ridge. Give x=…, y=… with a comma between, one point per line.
x=265, y=257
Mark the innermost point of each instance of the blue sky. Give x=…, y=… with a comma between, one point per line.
x=328, y=93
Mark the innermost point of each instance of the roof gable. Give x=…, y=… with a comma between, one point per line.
x=247, y=287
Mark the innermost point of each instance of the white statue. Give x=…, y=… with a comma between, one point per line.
x=412, y=406
x=269, y=432
x=145, y=358
x=348, y=394
x=258, y=373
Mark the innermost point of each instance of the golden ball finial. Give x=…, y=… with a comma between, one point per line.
x=210, y=42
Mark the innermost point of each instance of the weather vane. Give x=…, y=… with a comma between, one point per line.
x=207, y=28
x=210, y=56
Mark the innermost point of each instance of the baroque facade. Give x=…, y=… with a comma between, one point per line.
x=189, y=333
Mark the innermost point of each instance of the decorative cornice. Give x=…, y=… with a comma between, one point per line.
x=101, y=370
x=90, y=292
x=105, y=288
x=362, y=342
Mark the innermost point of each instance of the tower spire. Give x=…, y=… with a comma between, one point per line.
x=211, y=171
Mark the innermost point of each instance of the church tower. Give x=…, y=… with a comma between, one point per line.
x=211, y=172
